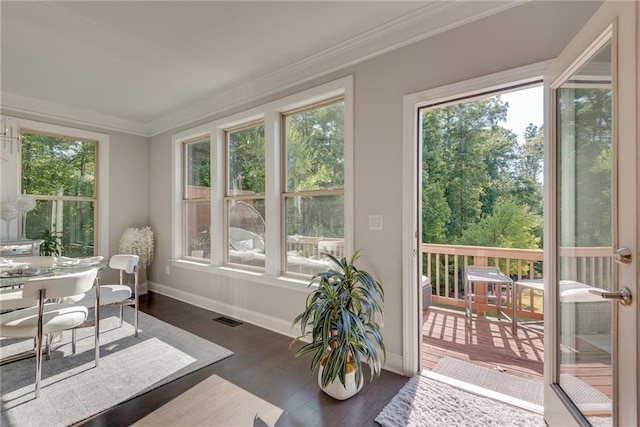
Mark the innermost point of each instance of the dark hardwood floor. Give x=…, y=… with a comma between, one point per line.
x=262, y=384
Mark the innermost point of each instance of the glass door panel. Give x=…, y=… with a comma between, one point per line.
x=584, y=234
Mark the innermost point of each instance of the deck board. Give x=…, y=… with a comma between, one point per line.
x=490, y=343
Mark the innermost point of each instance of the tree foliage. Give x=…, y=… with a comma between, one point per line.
x=470, y=166
x=586, y=154
x=247, y=159
x=315, y=162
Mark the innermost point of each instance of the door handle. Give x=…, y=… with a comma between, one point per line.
x=623, y=295
x=623, y=256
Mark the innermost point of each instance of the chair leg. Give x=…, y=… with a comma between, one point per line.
x=73, y=340
x=96, y=331
x=135, y=295
x=39, y=336
x=121, y=314
x=48, y=346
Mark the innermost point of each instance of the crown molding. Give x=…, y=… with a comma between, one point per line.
x=432, y=19
x=435, y=18
x=49, y=110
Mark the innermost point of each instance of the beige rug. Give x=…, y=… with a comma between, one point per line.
x=73, y=389
x=424, y=402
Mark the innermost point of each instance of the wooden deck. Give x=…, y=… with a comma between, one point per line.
x=490, y=344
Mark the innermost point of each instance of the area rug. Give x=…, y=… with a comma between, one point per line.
x=73, y=389
x=426, y=402
x=514, y=386
x=491, y=379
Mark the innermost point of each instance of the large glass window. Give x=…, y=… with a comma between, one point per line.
x=60, y=172
x=245, y=195
x=196, y=197
x=268, y=190
x=314, y=185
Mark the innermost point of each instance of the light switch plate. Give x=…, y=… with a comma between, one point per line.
x=375, y=222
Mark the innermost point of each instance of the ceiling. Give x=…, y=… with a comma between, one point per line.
x=144, y=67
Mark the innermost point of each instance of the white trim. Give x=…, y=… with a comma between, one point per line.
x=76, y=116
x=267, y=322
x=411, y=201
x=102, y=187
x=428, y=21
x=270, y=112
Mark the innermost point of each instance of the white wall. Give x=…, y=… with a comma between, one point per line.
x=527, y=34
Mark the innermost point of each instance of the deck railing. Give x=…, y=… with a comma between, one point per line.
x=311, y=247
x=444, y=265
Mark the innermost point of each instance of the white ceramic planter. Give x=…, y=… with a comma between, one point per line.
x=339, y=391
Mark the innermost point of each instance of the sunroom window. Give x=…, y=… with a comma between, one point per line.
x=269, y=187
x=313, y=196
x=245, y=195
x=60, y=172
x=196, y=197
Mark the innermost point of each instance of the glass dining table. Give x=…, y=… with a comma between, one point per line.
x=15, y=271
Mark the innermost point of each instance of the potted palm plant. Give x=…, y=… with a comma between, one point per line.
x=340, y=318
x=50, y=243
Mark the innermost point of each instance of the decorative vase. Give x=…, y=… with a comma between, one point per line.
x=340, y=391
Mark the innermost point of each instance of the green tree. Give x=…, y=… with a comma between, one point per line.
x=247, y=159
x=467, y=164
x=589, y=124
x=527, y=185
x=509, y=226
x=58, y=166
x=315, y=161
x=315, y=148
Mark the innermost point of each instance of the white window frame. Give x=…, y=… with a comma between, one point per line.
x=270, y=114
x=237, y=198
x=183, y=188
x=102, y=184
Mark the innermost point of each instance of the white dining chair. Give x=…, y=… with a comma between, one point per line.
x=50, y=317
x=12, y=300
x=117, y=294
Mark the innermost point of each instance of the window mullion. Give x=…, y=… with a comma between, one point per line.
x=218, y=170
x=273, y=240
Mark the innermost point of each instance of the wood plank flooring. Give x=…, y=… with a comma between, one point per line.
x=262, y=384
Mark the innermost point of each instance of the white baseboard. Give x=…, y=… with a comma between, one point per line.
x=274, y=324
x=280, y=326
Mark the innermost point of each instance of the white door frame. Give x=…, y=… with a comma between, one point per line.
x=411, y=192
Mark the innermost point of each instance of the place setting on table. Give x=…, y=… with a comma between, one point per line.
x=14, y=271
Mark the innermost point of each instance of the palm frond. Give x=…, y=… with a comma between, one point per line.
x=339, y=317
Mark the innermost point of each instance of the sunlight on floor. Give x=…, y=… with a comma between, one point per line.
x=228, y=405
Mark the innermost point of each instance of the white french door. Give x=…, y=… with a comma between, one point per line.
x=591, y=224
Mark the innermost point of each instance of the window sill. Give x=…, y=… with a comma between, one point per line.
x=290, y=283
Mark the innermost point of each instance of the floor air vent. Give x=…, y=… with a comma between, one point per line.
x=227, y=321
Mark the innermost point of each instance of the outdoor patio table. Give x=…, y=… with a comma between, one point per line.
x=533, y=284
x=475, y=274
x=570, y=292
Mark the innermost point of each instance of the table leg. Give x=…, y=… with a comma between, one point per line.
x=514, y=305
